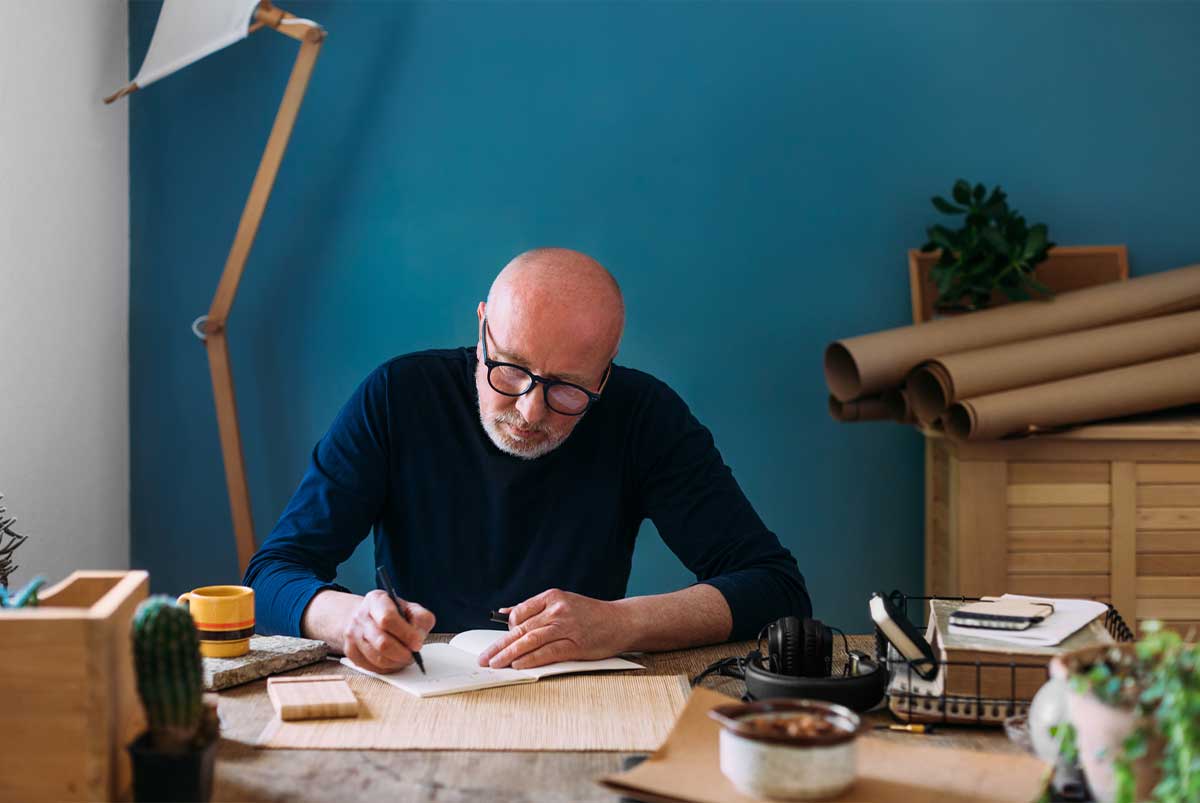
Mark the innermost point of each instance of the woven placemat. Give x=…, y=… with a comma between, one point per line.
x=578, y=712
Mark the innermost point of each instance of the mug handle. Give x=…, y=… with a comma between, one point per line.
x=184, y=599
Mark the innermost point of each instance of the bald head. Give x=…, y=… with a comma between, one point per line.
x=562, y=294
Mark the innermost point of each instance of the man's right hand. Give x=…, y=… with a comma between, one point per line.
x=376, y=637
x=367, y=630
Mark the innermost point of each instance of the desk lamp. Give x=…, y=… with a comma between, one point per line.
x=187, y=31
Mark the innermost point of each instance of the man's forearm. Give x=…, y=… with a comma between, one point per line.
x=689, y=617
x=326, y=616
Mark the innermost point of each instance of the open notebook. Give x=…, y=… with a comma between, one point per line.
x=454, y=667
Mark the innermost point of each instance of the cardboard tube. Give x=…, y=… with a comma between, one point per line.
x=899, y=405
x=1144, y=388
x=872, y=408
x=868, y=364
x=935, y=385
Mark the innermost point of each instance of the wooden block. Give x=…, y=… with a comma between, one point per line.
x=1074, y=518
x=1168, y=472
x=1181, y=495
x=1162, y=565
x=1181, y=541
x=1057, y=541
x=1039, y=473
x=1059, y=585
x=1059, y=494
x=1058, y=563
x=1169, y=518
x=1172, y=586
x=1168, y=608
x=312, y=697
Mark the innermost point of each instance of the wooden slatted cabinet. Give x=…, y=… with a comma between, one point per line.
x=1108, y=512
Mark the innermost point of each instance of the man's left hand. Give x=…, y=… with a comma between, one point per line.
x=558, y=626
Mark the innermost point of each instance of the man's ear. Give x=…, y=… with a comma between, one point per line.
x=480, y=311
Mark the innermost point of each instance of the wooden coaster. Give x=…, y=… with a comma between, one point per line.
x=312, y=697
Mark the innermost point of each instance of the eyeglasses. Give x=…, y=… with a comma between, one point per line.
x=565, y=398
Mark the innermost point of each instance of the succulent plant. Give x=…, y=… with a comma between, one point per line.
x=167, y=655
x=27, y=597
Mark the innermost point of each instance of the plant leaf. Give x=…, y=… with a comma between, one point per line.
x=945, y=206
x=962, y=191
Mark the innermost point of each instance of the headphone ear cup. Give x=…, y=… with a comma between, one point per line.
x=783, y=646
x=811, y=665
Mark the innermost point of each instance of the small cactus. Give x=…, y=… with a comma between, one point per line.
x=167, y=654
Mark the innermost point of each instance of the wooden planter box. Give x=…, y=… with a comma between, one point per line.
x=68, y=692
x=1108, y=512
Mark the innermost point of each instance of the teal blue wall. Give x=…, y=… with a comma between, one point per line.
x=752, y=174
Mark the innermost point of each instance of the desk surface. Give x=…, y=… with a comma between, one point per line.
x=244, y=772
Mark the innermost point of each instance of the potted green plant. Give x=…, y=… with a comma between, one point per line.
x=1134, y=715
x=993, y=251
x=173, y=759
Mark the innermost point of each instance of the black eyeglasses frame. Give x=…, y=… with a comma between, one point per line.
x=536, y=380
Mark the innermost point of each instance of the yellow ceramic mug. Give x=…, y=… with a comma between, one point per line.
x=224, y=617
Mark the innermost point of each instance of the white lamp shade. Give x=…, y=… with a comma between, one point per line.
x=189, y=30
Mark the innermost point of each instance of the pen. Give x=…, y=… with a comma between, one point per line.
x=386, y=582
x=910, y=728
x=497, y=617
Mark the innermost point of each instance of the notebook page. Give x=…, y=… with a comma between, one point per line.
x=448, y=671
x=474, y=642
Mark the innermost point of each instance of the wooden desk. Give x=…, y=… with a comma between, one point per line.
x=245, y=772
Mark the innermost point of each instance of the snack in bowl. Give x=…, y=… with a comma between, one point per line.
x=788, y=749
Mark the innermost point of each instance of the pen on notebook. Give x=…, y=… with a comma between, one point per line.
x=497, y=617
x=386, y=582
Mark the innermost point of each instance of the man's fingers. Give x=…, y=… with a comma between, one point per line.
x=384, y=614
x=551, y=653
x=422, y=618
x=532, y=640
x=530, y=607
x=514, y=633
x=369, y=656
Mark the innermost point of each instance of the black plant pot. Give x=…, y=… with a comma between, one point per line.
x=169, y=776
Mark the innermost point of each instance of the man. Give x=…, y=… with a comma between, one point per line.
x=494, y=477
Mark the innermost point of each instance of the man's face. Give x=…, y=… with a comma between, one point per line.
x=524, y=426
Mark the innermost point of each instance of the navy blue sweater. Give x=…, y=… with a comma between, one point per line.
x=465, y=528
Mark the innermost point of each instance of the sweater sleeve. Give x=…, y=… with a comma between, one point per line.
x=339, y=499
x=706, y=520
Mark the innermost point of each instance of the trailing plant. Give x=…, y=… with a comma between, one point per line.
x=1160, y=681
x=10, y=539
x=994, y=249
x=167, y=655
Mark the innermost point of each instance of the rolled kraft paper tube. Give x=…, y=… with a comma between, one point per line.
x=937, y=384
x=1109, y=394
x=868, y=364
x=899, y=404
x=872, y=408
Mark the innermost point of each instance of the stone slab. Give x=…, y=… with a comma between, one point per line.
x=268, y=655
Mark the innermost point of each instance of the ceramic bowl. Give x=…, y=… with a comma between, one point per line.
x=762, y=759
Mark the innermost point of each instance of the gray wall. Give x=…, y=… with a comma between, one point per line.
x=64, y=284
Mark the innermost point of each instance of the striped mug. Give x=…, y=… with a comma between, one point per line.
x=224, y=617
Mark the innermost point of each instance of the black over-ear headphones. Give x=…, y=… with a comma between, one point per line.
x=799, y=663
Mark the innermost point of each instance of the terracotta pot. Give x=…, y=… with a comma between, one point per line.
x=1101, y=730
